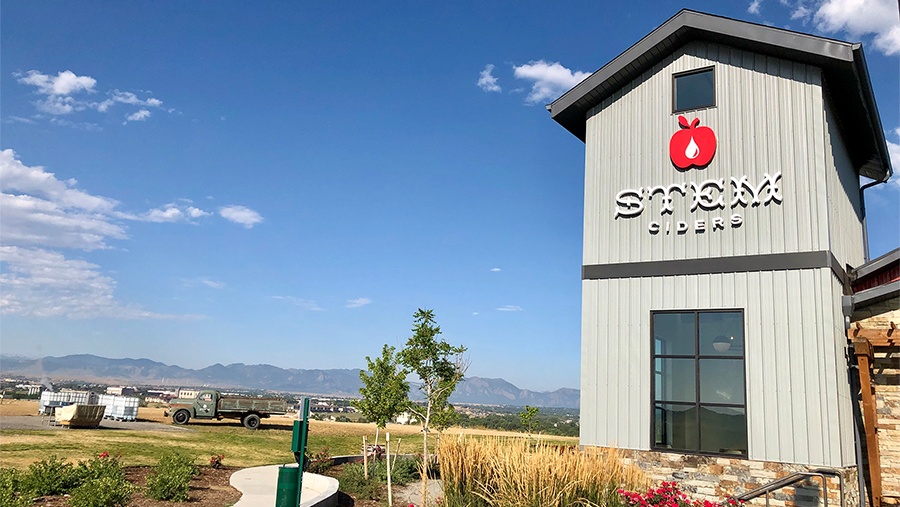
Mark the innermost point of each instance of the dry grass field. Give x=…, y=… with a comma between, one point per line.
x=200, y=439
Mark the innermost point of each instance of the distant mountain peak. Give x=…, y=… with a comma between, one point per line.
x=335, y=382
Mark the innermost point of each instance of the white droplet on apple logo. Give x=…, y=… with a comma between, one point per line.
x=692, y=150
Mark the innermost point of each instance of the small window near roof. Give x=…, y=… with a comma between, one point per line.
x=695, y=89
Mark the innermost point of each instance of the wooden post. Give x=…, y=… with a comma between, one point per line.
x=863, y=351
x=387, y=457
x=365, y=457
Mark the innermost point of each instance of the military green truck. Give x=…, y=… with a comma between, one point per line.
x=211, y=404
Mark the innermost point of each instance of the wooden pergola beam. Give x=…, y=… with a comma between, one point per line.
x=883, y=337
x=863, y=349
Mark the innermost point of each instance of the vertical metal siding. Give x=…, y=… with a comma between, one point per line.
x=768, y=118
x=797, y=397
x=844, y=205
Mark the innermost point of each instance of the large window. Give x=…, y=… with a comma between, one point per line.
x=698, y=382
x=694, y=89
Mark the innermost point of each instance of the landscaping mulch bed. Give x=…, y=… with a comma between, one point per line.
x=209, y=489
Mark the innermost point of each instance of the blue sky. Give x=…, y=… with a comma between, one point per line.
x=287, y=182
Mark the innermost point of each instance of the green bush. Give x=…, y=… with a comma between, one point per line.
x=103, y=466
x=353, y=482
x=405, y=470
x=11, y=494
x=319, y=462
x=104, y=491
x=171, y=478
x=52, y=476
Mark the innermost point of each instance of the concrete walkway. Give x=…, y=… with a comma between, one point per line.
x=258, y=486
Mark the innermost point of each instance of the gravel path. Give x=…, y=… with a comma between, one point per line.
x=36, y=422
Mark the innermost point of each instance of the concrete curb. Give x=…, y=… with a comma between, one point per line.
x=258, y=487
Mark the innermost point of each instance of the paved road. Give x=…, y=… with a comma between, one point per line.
x=36, y=422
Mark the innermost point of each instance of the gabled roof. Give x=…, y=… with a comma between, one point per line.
x=843, y=65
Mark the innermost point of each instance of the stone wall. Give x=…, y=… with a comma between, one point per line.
x=716, y=478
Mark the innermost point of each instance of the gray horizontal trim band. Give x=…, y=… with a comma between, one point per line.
x=737, y=264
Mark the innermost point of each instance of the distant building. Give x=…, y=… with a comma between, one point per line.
x=406, y=418
x=120, y=390
x=32, y=389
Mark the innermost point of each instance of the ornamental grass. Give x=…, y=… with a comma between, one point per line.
x=517, y=472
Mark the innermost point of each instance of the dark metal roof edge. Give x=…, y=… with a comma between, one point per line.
x=833, y=56
x=877, y=264
x=865, y=84
x=692, y=24
x=876, y=294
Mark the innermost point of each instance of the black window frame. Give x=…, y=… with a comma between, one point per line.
x=697, y=356
x=677, y=75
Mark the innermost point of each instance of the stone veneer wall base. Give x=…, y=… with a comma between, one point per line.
x=716, y=478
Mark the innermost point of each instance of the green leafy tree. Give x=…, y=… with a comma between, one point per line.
x=440, y=367
x=527, y=417
x=385, y=391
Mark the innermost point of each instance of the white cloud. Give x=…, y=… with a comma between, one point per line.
x=510, y=308
x=141, y=115
x=57, y=105
x=42, y=213
x=358, y=302
x=894, y=153
x=60, y=99
x=486, y=81
x=19, y=119
x=35, y=181
x=120, y=97
x=863, y=17
x=801, y=12
x=495, y=270
x=196, y=212
x=305, y=304
x=167, y=214
x=550, y=80
x=241, y=215
x=42, y=283
x=754, y=7
x=213, y=284
x=65, y=83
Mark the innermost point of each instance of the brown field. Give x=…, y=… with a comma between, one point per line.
x=144, y=442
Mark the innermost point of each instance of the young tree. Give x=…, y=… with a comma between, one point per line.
x=385, y=391
x=439, y=367
x=527, y=418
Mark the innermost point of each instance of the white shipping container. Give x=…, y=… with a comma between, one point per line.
x=49, y=401
x=120, y=408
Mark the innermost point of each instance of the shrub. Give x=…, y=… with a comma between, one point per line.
x=171, y=478
x=319, y=462
x=668, y=495
x=105, y=491
x=216, y=460
x=52, y=476
x=405, y=470
x=354, y=482
x=102, y=466
x=11, y=494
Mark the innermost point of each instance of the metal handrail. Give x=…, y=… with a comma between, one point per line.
x=793, y=479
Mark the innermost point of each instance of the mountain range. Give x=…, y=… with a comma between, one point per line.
x=335, y=382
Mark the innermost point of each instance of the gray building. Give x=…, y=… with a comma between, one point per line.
x=723, y=212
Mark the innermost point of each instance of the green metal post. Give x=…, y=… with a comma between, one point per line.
x=287, y=495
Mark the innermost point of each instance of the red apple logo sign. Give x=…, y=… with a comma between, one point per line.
x=692, y=146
